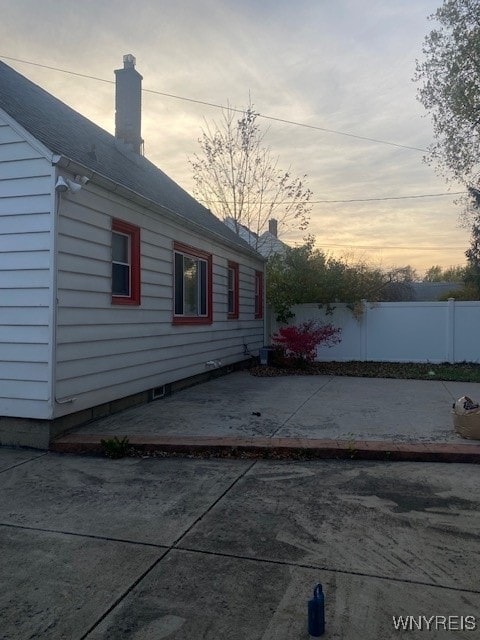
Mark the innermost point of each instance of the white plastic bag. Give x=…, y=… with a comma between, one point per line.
x=466, y=418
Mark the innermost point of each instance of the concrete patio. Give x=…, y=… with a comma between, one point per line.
x=150, y=549
x=147, y=548
x=316, y=416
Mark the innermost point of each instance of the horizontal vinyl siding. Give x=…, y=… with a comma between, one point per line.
x=105, y=352
x=25, y=277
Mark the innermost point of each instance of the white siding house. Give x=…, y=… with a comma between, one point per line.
x=26, y=244
x=109, y=288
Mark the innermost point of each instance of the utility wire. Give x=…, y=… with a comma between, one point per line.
x=219, y=106
x=46, y=66
x=294, y=123
x=422, y=195
x=380, y=248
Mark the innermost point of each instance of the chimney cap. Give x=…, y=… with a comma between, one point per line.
x=129, y=61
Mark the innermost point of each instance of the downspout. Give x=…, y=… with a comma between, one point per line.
x=53, y=293
x=54, y=262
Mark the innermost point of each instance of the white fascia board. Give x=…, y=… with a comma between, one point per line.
x=28, y=137
x=129, y=194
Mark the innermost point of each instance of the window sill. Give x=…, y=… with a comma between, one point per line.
x=191, y=320
x=125, y=302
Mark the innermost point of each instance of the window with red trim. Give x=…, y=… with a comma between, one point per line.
x=192, y=277
x=125, y=263
x=233, y=291
x=258, y=294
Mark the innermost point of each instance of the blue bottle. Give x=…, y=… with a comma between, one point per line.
x=316, y=613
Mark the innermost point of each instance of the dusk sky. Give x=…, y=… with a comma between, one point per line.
x=343, y=65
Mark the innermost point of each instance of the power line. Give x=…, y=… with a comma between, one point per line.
x=342, y=133
x=46, y=66
x=422, y=195
x=379, y=248
x=293, y=123
x=219, y=106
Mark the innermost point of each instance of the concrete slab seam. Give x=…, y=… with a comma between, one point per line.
x=124, y=595
x=186, y=549
x=164, y=555
x=214, y=503
x=19, y=464
x=206, y=552
x=167, y=549
x=300, y=565
x=447, y=390
x=301, y=406
x=89, y=536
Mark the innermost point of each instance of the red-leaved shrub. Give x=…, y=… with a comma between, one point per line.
x=299, y=342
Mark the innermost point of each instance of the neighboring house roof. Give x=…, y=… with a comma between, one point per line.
x=270, y=244
x=241, y=230
x=430, y=291
x=266, y=243
x=67, y=133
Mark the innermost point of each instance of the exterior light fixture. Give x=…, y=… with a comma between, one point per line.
x=65, y=184
x=61, y=186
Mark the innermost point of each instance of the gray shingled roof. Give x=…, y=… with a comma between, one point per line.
x=430, y=291
x=67, y=133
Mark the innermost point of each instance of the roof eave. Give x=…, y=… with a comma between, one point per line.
x=115, y=187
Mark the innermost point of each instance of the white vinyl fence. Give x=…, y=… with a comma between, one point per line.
x=399, y=331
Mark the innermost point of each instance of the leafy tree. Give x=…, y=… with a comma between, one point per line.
x=451, y=87
x=451, y=274
x=434, y=274
x=397, y=284
x=451, y=94
x=305, y=274
x=455, y=274
x=405, y=274
x=467, y=292
x=472, y=275
x=239, y=179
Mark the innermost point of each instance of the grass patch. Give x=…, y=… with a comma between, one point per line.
x=460, y=372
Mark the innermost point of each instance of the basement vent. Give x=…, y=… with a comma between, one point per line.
x=158, y=392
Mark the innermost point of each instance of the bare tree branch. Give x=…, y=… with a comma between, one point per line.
x=239, y=180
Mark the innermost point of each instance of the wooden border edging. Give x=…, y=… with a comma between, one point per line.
x=276, y=448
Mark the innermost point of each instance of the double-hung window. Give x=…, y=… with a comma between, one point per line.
x=125, y=263
x=232, y=289
x=192, y=285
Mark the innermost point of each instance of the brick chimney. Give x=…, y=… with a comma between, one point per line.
x=273, y=227
x=128, y=104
